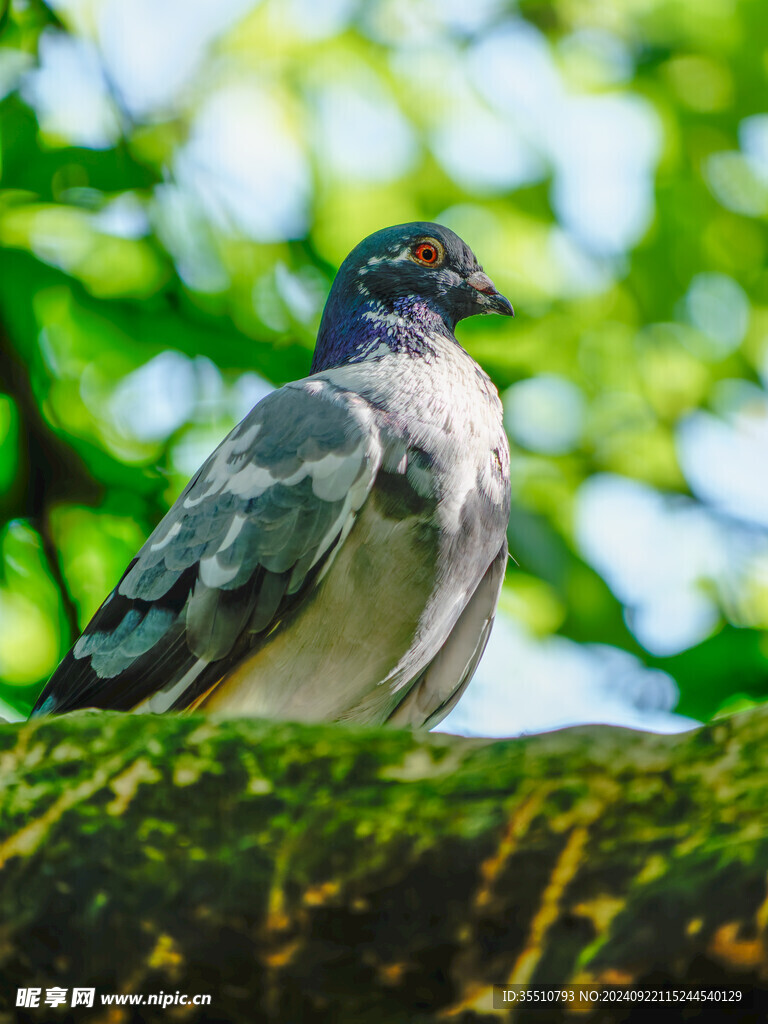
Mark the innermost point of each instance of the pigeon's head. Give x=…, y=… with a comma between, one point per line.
x=400, y=286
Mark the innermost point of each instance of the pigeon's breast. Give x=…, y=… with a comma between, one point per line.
x=448, y=413
x=443, y=418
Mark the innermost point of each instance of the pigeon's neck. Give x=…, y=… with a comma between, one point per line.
x=352, y=330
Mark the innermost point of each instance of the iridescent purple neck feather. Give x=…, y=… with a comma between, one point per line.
x=357, y=330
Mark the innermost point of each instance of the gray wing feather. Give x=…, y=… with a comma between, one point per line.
x=273, y=508
x=439, y=687
x=248, y=534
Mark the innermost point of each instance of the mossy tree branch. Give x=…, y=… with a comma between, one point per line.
x=323, y=873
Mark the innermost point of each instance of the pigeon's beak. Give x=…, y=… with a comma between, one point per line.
x=489, y=297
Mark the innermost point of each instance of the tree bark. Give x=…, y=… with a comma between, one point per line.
x=323, y=873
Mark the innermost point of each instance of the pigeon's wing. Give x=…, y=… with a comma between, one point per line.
x=439, y=687
x=245, y=541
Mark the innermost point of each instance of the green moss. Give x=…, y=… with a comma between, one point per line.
x=340, y=867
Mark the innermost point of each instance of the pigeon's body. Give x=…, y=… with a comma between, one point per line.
x=341, y=554
x=433, y=504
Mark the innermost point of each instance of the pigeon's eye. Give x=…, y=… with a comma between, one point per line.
x=429, y=253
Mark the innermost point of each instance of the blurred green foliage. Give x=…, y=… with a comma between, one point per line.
x=132, y=244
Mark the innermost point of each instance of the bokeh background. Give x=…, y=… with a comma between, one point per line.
x=179, y=181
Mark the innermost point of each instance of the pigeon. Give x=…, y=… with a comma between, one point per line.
x=340, y=555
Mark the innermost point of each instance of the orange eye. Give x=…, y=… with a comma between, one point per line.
x=426, y=252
